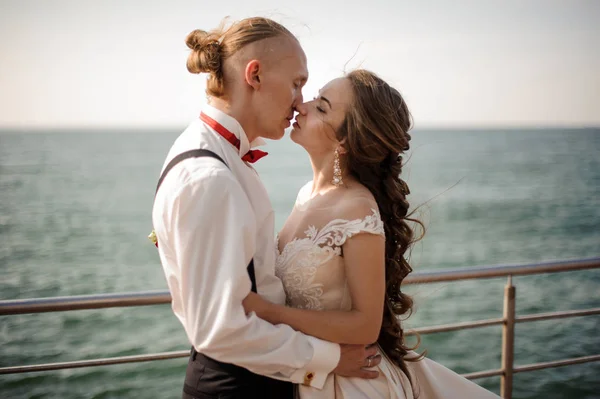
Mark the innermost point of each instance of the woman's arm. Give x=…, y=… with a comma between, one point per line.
x=364, y=257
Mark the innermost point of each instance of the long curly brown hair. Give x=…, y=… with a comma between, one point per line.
x=375, y=135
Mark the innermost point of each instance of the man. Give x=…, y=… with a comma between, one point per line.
x=215, y=225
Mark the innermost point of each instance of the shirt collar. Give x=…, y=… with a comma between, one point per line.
x=234, y=127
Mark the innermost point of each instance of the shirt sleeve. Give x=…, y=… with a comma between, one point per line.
x=210, y=234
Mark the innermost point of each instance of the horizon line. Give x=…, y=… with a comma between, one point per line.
x=154, y=128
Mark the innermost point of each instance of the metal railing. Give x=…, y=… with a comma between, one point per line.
x=508, y=320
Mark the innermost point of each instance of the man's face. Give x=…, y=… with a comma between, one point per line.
x=281, y=90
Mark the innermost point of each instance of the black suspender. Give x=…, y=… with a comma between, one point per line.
x=199, y=153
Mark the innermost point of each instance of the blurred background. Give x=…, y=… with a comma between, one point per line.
x=504, y=168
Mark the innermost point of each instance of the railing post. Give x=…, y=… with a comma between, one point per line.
x=508, y=340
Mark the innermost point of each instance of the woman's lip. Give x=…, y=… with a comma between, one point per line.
x=296, y=125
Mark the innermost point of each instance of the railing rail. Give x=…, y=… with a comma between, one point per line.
x=508, y=321
x=99, y=301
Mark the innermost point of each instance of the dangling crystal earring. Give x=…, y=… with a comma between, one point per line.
x=337, y=172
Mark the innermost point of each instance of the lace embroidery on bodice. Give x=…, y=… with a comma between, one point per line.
x=302, y=258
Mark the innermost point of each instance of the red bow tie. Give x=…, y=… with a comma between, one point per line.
x=251, y=156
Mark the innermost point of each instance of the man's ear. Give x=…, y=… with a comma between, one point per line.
x=252, y=74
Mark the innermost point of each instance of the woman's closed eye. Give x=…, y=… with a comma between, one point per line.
x=318, y=107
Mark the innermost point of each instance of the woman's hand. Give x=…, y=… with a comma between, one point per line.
x=255, y=303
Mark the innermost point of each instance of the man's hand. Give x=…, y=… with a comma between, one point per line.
x=355, y=359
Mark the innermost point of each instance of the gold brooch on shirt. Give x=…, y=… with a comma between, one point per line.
x=152, y=237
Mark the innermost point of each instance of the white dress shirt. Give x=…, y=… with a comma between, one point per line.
x=211, y=220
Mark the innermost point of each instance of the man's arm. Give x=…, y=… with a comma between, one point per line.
x=209, y=234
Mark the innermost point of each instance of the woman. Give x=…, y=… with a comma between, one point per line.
x=341, y=251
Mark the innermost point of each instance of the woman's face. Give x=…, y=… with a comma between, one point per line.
x=319, y=119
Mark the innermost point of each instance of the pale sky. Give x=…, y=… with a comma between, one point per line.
x=108, y=63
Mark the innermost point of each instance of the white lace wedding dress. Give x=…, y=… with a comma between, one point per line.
x=312, y=270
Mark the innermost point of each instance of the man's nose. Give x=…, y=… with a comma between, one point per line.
x=299, y=99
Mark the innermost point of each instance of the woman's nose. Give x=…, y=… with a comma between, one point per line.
x=301, y=108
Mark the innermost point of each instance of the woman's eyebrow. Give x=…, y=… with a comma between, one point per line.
x=326, y=100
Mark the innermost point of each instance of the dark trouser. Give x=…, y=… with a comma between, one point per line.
x=206, y=378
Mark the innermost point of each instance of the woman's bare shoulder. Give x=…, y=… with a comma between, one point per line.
x=356, y=203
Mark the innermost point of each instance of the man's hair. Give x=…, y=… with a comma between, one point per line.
x=211, y=49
